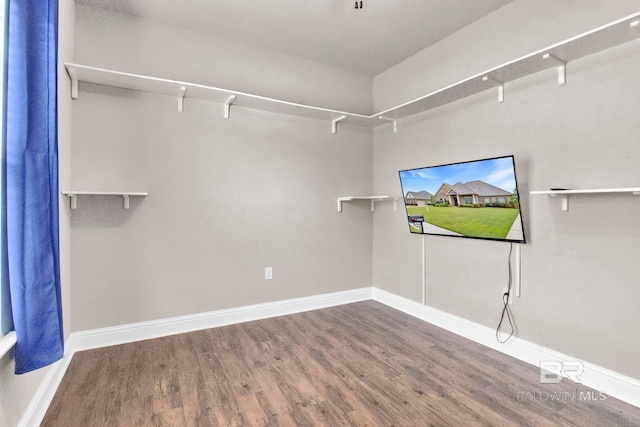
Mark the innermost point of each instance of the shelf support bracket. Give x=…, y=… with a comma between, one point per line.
x=389, y=119
x=342, y=199
x=74, y=201
x=126, y=201
x=562, y=67
x=74, y=83
x=501, y=93
x=500, y=86
x=334, y=123
x=183, y=91
x=373, y=204
x=227, y=106
x=565, y=201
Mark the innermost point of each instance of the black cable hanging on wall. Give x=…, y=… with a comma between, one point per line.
x=359, y=4
x=505, y=307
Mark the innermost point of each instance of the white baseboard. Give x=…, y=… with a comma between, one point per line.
x=121, y=334
x=612, y=383
x=601, y=379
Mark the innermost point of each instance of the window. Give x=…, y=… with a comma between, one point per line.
x=468, y=200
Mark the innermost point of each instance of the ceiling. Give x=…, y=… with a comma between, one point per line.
x=333, y=32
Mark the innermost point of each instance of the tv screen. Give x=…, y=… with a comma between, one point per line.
x=475, y=199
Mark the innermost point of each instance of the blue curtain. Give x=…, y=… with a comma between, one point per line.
x=30, y=235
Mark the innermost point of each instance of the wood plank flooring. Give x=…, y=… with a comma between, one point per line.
x=361, y=364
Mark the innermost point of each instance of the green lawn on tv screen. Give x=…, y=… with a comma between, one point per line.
x=492, y=223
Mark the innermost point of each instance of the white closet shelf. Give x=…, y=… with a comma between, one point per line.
x=184, y=90
x=564, y=194
x=73, y=195
x=373, y=199
x=557, y=55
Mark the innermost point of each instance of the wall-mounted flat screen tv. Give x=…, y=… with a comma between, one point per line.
x=476, y=199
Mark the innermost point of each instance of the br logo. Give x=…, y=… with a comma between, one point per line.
x=552, y=371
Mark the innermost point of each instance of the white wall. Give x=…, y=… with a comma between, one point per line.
x=16, y=391
x=579, y=284
x=515, y=30
x=227, y=198
x=124, y=43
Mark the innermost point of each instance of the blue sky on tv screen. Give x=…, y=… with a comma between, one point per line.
x=498, y=172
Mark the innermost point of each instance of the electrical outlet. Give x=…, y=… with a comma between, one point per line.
x=268, y=273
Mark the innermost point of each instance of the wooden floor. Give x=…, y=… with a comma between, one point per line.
x=361, y=364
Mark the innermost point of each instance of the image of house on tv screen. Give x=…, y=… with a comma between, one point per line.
x=477, y=199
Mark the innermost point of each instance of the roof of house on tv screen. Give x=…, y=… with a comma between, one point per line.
x=478, y=187
x=420, y=195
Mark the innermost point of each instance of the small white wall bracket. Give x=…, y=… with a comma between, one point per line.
x=565, y=201
x=340, y=200
x=74, y=83
x=374, y=201
x=181, y=94
x=389, y=119
x=227, y=106
x=334, y=123
x=500, y=86
x=562, y=67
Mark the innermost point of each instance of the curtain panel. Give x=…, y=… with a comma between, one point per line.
x=30, y=229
